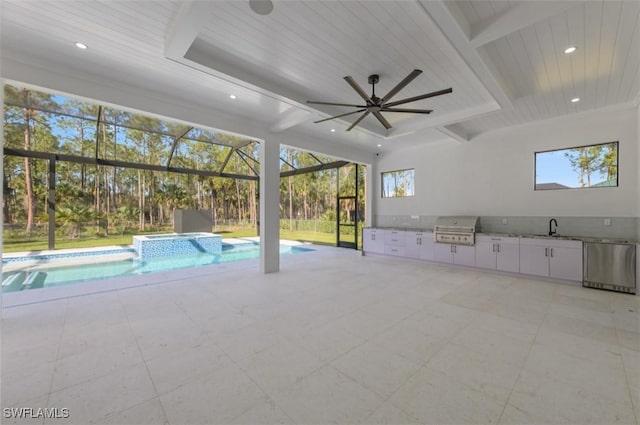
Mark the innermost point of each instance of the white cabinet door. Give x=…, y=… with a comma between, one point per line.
x=367, y=240
x=412, y=244
x=373, y=240
x=534, y=259
x=464, y=255
x=443, y=253
x=426, y=246
x=508, y=258
x=486, y=254
x=565, y=263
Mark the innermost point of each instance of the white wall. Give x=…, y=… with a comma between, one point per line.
x=492, y=175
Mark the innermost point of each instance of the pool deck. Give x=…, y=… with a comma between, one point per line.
x=13, y=299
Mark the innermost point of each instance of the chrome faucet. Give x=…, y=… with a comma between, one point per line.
x=553, y=232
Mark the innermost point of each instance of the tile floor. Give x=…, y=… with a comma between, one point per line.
x=335, y=337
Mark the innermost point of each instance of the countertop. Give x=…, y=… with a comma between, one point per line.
x=563, y=237
x=525, y=235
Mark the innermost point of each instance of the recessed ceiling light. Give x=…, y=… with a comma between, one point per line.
x=569, y=50
x=379, y=145
x=80, y=45
x=233, y=96
x=575, y=99
x=333, y=130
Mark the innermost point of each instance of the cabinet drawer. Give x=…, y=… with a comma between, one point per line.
x=394, y=237
x=498, y=239
x=397, y=251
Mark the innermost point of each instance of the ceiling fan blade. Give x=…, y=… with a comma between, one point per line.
x=423, y=96
x=357, y=88
x=358, y=121
x=338, y=116
x=409, y=78
x=313, y=102
x=412, y=111
x=383, y=121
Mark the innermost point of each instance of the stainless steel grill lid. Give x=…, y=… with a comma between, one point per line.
x=457, y=230
x=455, y=224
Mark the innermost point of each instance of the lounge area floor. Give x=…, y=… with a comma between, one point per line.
x=335, y=337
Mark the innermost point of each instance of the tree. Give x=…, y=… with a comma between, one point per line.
x=35, y=134
x=609, y=163
x=589, y=159
x=173, y=195
x=74, y=217
x=125, y=217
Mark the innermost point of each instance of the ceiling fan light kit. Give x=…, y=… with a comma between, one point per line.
x=376, y=105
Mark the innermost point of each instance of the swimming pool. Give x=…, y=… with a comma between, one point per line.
x=45, y=277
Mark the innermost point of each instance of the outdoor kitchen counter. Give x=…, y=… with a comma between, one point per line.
x=523, y=235
x=405, y=229
x=561, y=237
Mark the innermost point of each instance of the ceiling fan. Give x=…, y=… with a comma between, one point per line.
x=375, y=105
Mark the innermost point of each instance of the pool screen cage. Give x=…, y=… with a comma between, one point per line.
x=69, y=139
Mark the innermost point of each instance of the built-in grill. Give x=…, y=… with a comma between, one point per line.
x=458, y=230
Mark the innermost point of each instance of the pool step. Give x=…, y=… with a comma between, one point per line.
x=35, y=280
x=14, y=279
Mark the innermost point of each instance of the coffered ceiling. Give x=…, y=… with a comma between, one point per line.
x=503, y=59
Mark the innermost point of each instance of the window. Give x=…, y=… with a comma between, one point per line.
x=576, y=168
x=398, y=183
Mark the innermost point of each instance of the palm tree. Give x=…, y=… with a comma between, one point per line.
x=125, y=217
x=173, y=195
x=75, y=217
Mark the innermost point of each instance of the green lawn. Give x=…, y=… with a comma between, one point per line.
x=39, y=245
x=314, y=237
x=95, y=241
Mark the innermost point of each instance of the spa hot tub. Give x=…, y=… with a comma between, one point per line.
x=152, y=246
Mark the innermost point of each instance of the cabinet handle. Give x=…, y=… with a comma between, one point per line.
x=498, y=246
x=551, y=249
x=546, y=252
x=494, y=247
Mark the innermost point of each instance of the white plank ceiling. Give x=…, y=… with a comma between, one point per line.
x=603, y=71
x=486, y=50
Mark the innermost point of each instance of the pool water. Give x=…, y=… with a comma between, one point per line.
x=58, y=276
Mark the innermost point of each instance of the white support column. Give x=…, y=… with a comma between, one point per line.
x=370, y=193
x=637, y=167
x=269, y=206
x=1, y=165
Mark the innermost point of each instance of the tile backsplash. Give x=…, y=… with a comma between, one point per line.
x=619, y=228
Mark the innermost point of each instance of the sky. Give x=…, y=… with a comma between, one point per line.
x=554, y=167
